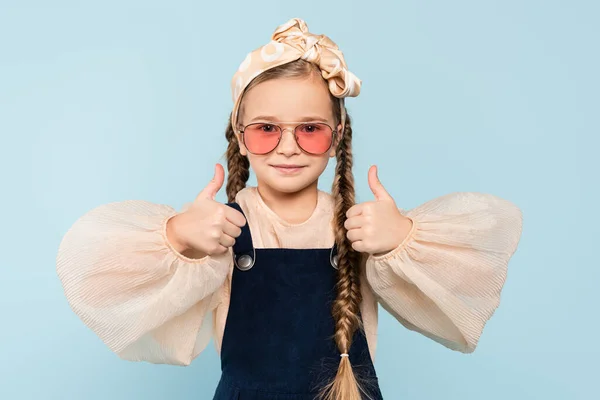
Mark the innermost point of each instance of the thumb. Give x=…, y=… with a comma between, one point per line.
x=376, y=186
x=213, y=187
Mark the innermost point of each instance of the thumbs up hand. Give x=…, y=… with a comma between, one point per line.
x=207, y=227
x=376, y=227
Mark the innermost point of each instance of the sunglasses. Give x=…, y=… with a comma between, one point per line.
x=262, y=138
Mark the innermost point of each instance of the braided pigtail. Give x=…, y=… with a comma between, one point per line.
x=346, y=305
x=238, y=166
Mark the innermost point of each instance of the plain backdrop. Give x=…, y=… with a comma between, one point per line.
x=115, y=100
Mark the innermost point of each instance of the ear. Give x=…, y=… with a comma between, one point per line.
x=243, y=150
x=336, y=141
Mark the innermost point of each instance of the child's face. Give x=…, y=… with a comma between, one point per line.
x=286, y=102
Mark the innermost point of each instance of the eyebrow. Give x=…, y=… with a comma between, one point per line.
x=275, y=119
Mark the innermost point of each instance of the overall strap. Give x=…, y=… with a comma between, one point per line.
x=244, y=255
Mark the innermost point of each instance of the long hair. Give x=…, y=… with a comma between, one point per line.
x=345, y=308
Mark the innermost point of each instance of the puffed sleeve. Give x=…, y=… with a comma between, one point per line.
x=125, y=281
x=445, y=280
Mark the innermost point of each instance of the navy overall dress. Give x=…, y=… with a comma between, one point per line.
x=278, y=341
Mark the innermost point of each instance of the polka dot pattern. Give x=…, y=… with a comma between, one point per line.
x=292, y=41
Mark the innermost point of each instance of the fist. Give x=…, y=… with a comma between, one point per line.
x=207, y=227
x=376, y=227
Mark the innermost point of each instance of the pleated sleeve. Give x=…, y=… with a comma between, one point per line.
x=445, y=280
x=125, y=281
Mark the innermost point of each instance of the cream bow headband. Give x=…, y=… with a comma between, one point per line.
x=292, y=41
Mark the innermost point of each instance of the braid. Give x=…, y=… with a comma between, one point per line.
x=346, y=305
x=345, y=308
x=238, y=166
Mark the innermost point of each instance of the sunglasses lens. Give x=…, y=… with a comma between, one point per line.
x=261, y=138
x=314, y=138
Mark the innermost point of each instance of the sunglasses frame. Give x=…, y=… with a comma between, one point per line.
x=281, y=130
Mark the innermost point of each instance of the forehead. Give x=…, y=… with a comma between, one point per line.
x=288, y=99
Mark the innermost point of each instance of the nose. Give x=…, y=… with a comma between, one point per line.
x=287, y=145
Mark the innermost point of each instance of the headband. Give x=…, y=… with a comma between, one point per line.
x=290, y=42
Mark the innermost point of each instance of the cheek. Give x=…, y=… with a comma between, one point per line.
x=321, y=162
x=251, y=160
x=256, y=162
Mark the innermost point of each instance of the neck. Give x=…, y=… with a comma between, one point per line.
x=294, y=208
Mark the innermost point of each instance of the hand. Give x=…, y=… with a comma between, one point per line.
x=207, y=227
x=376, y=227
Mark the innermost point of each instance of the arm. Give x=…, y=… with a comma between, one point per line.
x=125, y=280
x=445, y=279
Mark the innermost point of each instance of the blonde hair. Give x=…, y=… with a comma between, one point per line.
x=346, y=305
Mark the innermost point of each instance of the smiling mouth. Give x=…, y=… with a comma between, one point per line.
x=287, y=169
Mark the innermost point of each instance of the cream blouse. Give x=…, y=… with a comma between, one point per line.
x=147, y=302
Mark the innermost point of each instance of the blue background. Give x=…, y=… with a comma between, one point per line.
x=114, y=100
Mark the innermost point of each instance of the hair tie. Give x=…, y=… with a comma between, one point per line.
x=344, y=355
x=292, y=41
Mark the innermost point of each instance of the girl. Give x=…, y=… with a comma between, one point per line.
x=287, y=278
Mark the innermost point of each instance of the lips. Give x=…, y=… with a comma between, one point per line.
x=290, y=166
x=287, y=168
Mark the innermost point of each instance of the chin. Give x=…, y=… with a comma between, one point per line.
x=288, y=186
